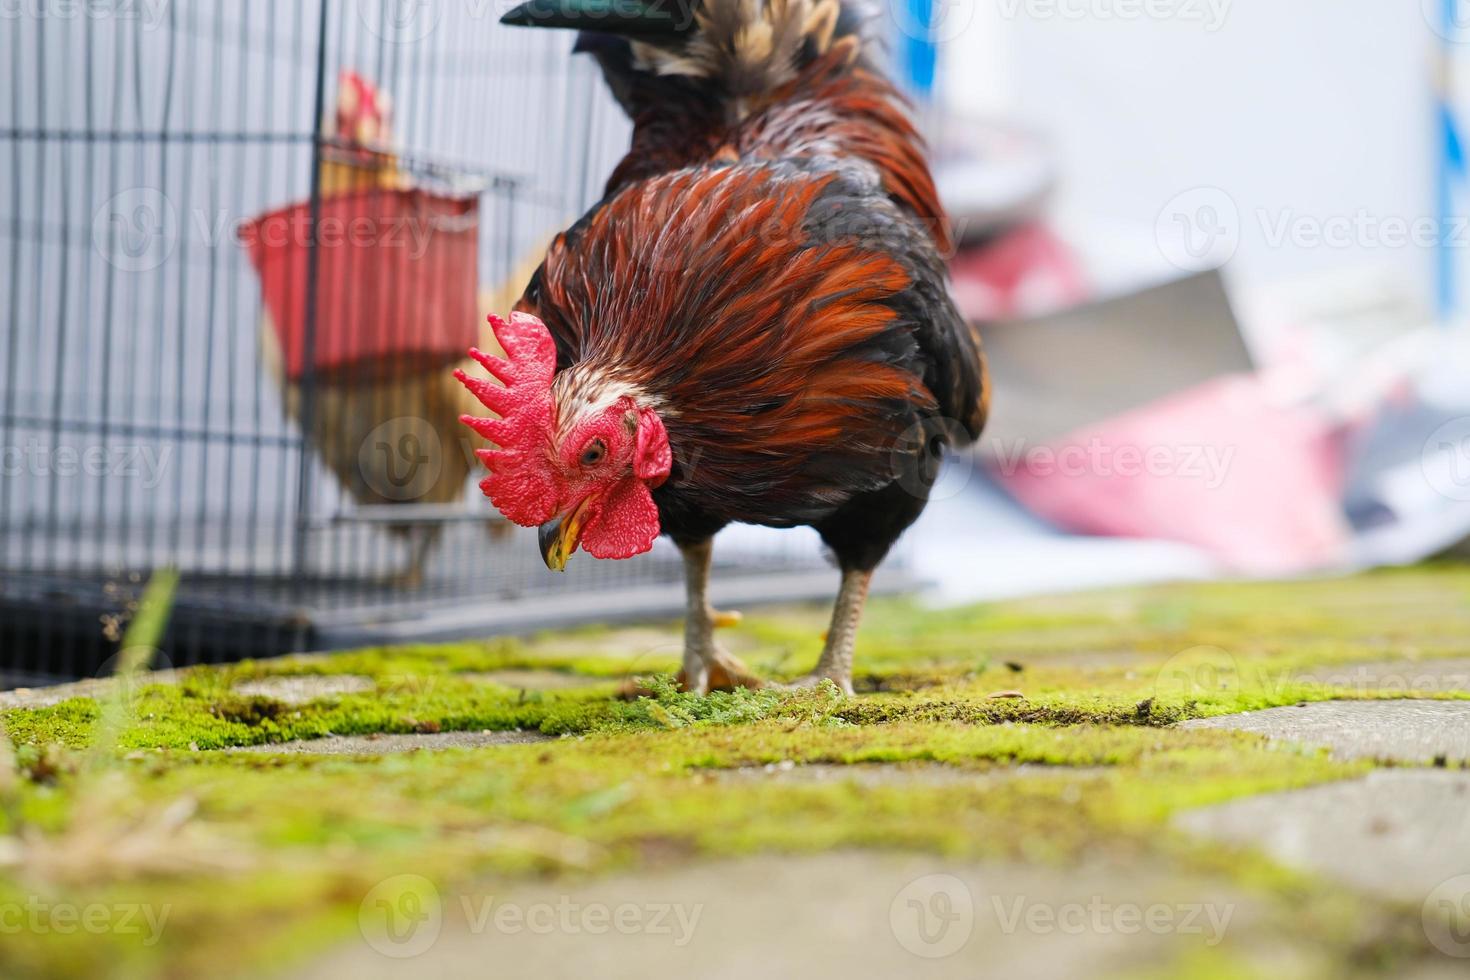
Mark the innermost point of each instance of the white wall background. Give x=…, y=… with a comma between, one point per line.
x=1312, y=110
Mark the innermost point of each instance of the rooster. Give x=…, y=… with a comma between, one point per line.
x=753, y=325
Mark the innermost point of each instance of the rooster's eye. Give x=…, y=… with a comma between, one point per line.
x=594, y=452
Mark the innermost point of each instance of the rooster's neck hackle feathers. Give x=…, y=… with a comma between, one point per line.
x=770, y=80
x=589, y=388
x=772, y=335
x=748, y=48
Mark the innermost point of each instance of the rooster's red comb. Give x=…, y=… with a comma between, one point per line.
x=521, y=484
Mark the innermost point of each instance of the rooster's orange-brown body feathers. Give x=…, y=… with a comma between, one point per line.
x=765, y=274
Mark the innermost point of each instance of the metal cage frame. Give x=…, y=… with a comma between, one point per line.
x=145, y=420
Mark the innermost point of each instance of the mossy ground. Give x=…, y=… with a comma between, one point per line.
x=630, y=784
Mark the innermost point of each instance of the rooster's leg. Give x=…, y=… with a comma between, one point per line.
x=835, y=664
x=706, y=666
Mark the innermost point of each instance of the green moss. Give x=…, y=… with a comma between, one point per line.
x=635, y=783
x=69, y=723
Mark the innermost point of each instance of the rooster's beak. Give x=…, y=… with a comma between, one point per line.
x=558, y=537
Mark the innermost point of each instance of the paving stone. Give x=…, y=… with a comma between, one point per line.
x=1397, y=832
x=294, y=689
x=1413, y=731
x=837, y=915
x=301, y=688
x=390, y=744
x=92, y=687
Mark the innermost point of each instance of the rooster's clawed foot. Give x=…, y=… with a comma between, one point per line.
x=720, y=671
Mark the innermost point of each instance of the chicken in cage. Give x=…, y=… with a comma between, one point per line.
x=394, y=309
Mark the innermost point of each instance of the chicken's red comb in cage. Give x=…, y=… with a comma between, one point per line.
x=363, y=110
x=521, y=484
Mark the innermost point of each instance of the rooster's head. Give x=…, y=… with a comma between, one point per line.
x=579, y=461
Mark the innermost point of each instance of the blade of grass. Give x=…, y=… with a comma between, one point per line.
x=139, y=646
x=9, y=771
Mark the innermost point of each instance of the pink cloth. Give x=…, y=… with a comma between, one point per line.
x=1217, y=466
x=1025, y=272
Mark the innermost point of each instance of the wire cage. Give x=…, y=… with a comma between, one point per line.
x=243, y=245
